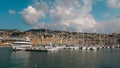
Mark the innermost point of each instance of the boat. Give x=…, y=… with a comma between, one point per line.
x=52, y=47
x=76, y=47
x=99, y=47
x=21, y=45
x=88, y=48
x=84, y=47
x=93, y=48
x=70, y=46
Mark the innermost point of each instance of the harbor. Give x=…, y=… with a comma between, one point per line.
x=44, y=40
x=59, y=33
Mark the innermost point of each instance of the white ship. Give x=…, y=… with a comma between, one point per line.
x=22, y=45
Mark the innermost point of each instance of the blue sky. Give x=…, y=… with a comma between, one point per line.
x=78, y=15
x=12, y=21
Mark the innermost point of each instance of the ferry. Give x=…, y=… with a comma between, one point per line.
x=21, y=45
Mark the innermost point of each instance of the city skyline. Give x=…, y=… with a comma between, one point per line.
x=101, y=16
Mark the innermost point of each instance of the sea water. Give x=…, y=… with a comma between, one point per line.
x=65, y=58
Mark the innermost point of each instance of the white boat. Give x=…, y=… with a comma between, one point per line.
x=76, y=47
x=99, y=47
x=118, y=46
x=93, y=48
x=88, y=48
x=84, y=47
x=21, y=45
x=108, y=47
x=52, y=47
x=62, y=47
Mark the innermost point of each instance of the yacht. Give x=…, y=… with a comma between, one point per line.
x=21, y=45
x=93, y=48
x=84, y=47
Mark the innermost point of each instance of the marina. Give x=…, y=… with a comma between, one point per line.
x=44, y=40
x=26, y=45
x=60, y=34
x=55, y=47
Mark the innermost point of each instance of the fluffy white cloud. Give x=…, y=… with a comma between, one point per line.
x=72, y=15
x=113, y=3
x=31, y=14
x=11, y=11
x=80, y=24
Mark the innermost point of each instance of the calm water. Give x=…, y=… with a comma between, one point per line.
x=105, y=58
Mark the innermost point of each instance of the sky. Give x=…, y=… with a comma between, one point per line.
x=98, y=16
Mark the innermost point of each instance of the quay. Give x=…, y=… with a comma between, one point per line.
x=37, y=50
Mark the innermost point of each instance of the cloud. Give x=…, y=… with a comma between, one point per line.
x=113, y=3
x=67, y=15
x=107, y=16
x=117, y=16
x=70, y=15
x=11, y=11
x=111, y=26
x=41, y=26
x=74, y=15
x=31, y=14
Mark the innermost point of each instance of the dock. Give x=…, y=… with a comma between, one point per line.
x=37, y=50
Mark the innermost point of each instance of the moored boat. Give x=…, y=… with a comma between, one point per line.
x=84, y=47
x=21, y=45
x=93, y=48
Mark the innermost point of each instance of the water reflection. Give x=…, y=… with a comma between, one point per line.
x=61, y=59
x=19, y=59
x=20, y=54
x=5, y=53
